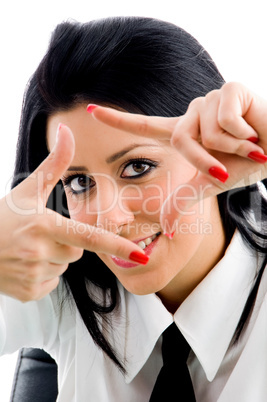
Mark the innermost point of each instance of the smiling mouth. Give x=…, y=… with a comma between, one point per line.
x=145, y=242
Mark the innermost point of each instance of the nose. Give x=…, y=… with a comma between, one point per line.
x=114, y=219
x=112, y=214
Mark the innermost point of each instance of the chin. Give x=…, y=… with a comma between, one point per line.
x=142, y=289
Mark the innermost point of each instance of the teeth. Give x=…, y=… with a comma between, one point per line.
x=142, y=244
x=147, y=241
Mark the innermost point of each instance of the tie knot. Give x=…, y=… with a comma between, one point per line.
x=174, y=346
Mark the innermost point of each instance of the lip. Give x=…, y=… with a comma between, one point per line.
x=144, y=238
x=148, y=250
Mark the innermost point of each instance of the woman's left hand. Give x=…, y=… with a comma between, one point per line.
x=224, y=135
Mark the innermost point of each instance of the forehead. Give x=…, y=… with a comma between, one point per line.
x=90, y=134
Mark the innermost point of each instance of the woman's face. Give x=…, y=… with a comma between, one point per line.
x=119, y=181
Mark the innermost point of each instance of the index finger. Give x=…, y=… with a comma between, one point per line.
x=98, y=240
x=146, y=126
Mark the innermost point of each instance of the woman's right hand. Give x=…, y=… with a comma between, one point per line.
x=222, y=134
x=37, y=244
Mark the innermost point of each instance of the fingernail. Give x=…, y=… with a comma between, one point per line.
x=58, y=130
x=91, y=108
x=257, y=157
x=255, y=140
x=139, y=257
x=60, y=126
x=218, y=173
x=169, y=235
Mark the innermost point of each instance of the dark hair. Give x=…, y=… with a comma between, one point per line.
x=141, y=65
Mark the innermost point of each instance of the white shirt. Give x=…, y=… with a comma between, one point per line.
x=208, y=318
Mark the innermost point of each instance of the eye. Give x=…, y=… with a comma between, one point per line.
x=78, y=184
x=137, y=168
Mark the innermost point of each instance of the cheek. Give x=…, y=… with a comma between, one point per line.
x=154, y=194
x=153, y=198
x=81, y=211
x=145, y=199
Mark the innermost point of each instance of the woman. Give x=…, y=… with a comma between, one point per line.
x=133, y=177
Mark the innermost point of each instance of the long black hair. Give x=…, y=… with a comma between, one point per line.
x=144, y=66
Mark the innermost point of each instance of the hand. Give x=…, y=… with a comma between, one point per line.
x=224, y=135
x=37, y=244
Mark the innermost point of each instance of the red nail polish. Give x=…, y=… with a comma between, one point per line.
x=170, y=236
x=255, y=140
x=91, y=108
x=58, y=130
x=257, y=157
x=60, y=126
x=218, y=173
x=139, y=257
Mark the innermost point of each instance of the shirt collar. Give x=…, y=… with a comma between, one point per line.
x=207, y=318
x=146, y=319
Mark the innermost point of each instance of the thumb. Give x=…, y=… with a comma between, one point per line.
x=48, y=173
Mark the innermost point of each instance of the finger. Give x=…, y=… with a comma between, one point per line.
x=40, y=271
x=45, y=177
x=147, y=126
x=47, y=250
x=186, y=139
x=214, y=137
x=37, y=291
x=63, y=253
x=30, y=290
x=91, y=238
x=181, y=202
x=47, y=287
x=235, y=102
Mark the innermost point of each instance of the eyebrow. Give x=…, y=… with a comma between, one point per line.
x=113, y=157
x=77, y=168
x=124, y=151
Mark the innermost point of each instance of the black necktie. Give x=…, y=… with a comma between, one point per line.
x=173, y=382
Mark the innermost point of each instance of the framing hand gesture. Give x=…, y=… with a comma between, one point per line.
x=224, y=135
x=37, y=244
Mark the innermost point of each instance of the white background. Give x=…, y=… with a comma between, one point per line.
x=233, y=31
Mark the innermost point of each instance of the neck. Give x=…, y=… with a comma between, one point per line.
x=173, y=295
